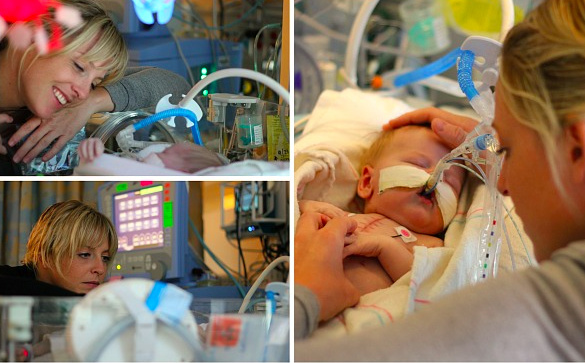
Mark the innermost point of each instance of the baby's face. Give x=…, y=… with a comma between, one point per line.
x=421, y=148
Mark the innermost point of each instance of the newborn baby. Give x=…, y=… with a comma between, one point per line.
x=186, y=156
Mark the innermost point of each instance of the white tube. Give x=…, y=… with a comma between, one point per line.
x=237, y=72
x=259, y=280
x=355, y=39
x=507, y=18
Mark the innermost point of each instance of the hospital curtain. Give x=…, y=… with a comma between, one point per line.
x=21, y=204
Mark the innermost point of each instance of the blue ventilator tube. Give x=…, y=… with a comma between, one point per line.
x=439, y=66
x=170, y=113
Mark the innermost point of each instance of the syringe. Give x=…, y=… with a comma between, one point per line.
x=471, y=146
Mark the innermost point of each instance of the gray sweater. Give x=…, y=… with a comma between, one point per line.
x=142, y=87
x=534, y=315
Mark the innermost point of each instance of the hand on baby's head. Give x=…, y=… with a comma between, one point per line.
x=89, y=149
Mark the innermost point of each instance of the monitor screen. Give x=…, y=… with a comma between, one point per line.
x=138, y=217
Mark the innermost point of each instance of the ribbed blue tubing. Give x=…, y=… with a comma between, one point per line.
x=439, y=66
x=170, y=113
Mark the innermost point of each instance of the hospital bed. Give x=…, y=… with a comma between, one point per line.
x=340, y=128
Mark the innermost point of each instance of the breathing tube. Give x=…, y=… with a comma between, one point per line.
x=173, y=113
x=439, y=66
x=125, y=138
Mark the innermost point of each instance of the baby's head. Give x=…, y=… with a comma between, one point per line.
x=401, y=155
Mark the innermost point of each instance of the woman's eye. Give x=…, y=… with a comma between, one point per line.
x=502, y=151
x=79, y=67
x=106, y=258
x=84, y=255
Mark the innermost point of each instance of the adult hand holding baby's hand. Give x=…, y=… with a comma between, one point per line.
x=319, y=261
x=327, y=209
x=451, y=128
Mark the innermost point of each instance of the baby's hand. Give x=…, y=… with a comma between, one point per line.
x=327, y=209
x=365, y=244
x=89, y=150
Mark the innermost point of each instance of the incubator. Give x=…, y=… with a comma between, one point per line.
x=142, y=320
x=249, y=134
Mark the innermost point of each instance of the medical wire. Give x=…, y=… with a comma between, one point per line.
x=126, y=323
x=216, y=259
x=255, y=51
x=344, y=38
x=239, y=20
x=508, y=213
x=182, y=55
x=509, y=243
x=259, y=280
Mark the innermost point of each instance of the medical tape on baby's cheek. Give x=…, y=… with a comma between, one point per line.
x=407, y=176
x=402, y=176
x=447, y=201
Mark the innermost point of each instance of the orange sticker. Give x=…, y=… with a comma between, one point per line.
x=225, y=331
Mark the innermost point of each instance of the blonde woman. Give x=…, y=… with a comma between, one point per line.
x=534, y=315
x=62, y=89
x=71, y=246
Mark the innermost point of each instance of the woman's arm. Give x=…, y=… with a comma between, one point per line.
x=143, y=87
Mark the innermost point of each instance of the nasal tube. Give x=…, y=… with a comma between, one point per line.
x=479, y=143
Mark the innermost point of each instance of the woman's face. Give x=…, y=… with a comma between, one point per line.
x=527, y=178
x=421, y=148
x=53, y=83
x=86, y=271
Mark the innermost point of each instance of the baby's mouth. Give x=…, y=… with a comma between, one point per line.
x=427, y=198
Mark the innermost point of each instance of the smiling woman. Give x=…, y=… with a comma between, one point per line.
x=71, y=246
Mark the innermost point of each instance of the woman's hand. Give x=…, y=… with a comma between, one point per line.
x=451, y=128
x=328, y=209
x=4, y=119
x=319, y=261
x=61, y=127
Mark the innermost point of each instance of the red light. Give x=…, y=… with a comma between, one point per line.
x=167, y=199
x=167, y=191
x=167, y=185
x=145, y=183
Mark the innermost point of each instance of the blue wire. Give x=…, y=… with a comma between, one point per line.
x=170, y=113
x=214, y=257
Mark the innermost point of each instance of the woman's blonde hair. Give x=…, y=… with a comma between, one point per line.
x=97, y=27
x=65, y=228
x=543, y=73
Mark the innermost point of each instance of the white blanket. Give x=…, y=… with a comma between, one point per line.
x=326, y=157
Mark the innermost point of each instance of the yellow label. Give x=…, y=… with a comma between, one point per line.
x=278, y=146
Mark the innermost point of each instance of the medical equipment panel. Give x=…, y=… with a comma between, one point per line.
x=151, y=222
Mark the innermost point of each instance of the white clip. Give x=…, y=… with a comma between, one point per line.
x=188, y=104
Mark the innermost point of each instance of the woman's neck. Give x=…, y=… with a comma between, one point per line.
x=9, y=95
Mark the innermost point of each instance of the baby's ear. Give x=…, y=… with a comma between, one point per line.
x=365, y=188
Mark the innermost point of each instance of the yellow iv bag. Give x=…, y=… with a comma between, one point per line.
x=477, y=17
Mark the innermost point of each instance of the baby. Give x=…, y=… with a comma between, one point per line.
x=186, y=157
x=396, y=216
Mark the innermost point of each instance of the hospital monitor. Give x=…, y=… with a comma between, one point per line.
x=151, y=222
